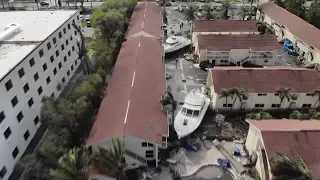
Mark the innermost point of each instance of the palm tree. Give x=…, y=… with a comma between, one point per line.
x=244, y=11
x=167, y=99
x=207, y=12
x=284, y=94
x=82, y=51
x=317, y=93
x=261, y=27
x=72, y=165
x=225, y=8
x=289, y=167
x=238, y=93
x=111, y=161
x=189, y=12
x=226, y=93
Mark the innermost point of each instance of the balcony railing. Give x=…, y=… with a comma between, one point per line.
x=136, y=157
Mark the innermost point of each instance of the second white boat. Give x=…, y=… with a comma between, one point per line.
x=175, y=43
x=191, y=113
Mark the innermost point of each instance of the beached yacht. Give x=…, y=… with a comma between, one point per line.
x=191, y=113
x=175, y=43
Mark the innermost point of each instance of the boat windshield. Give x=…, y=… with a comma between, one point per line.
x=190, y=113
x=172, y=43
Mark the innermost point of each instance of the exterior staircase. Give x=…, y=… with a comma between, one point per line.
x=138, y=158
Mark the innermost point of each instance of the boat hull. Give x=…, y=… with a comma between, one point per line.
x=183, y=131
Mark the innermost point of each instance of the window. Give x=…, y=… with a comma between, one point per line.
x=60, y=35
x=14, y=101
x=144, y=144
x=8, y=85
x=67, y=42
x=36, y=76
x=7, y=133
x=69, y=53
x=30, y=102
x=54, y=40
x=259, y=105
x=48, y=80
x=65, y=58
x=3, y=172
x=73, y=21
x=149, y=154
x=266, y=60
x=71, y=38
x=57, y=53
x=40, y=90
x=75, y=32
x=52, y=95
x=185, y=122
x=2, y=116
x=150, y=145
x=26, y=135
x=15, y=152
x=20, y=116
x=26, y=88
x=36, y=120
x=44, y=67
x=68, y=26
x=64, y=30
x=41, y=53
x=275, y=105
x=68, y=73
x=21, y=72
x=196, y=113
x=63, y=80
x=306, y=105
x=31, y=62
x=75, y=62
x=262, y=94
x=62, y=47
x=77, y=17
x=59, y=65
x=71, y=67
x=225, y=105
x=276, y=94
x=54, y=71
x=309, y=94
x=48, y=45
x=51, y=58
x=72, y=48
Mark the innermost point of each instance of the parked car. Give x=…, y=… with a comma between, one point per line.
x=44, y=3
x=205, y=65
x=289, y=48
x=88, y=24
x=87, y=18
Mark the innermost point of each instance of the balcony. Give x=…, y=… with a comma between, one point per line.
x=136, y=157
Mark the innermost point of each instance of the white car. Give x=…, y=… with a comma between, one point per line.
x=87, y=18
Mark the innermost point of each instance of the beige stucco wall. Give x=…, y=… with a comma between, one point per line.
x=268, y=100
x=134, y=145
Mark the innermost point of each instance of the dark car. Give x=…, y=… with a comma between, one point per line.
x=44, y=3
x=205, y=65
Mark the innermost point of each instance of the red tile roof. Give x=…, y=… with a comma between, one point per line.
x=292, y=137
x=286, y=124
x=147, y=18
x=224, y=26
x=297, y=26
x=131, y=103
x=265, y=80
x=256, y=42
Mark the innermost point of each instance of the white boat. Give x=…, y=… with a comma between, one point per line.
x=175, y=43
x=191, y=113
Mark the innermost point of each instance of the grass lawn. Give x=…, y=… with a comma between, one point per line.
x=90, y=44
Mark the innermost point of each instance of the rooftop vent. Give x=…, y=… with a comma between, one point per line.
x=9, y=30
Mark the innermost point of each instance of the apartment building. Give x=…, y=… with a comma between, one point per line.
x=37, y=58
x=292, y=137
x=225, y=49
x=205, y=27
x=130, y=109
x=288, y=26
x=261, y=86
